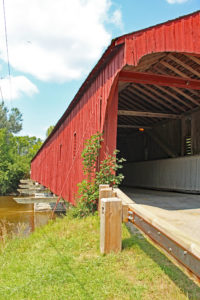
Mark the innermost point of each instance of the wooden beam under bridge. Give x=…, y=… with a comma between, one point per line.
x=134, y=126
x=135, y=113
x=162, y=80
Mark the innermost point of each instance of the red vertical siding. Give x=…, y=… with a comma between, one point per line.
x=181, y=35
x=61, y=174
x=110, y=124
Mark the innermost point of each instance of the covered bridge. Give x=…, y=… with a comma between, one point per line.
x=144, y=95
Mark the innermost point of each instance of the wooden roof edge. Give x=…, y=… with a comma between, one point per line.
x=122, y=38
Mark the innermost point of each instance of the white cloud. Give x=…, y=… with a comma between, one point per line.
x=17, y=86
x=116, y=18
x=56, y=40
x=176, y=1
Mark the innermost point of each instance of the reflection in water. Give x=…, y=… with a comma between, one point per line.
x=20, y=217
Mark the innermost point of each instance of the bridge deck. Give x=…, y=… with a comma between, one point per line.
x=181, y=211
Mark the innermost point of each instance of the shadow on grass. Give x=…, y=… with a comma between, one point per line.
x=185, y=284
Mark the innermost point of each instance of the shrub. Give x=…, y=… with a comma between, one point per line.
x=88, y=189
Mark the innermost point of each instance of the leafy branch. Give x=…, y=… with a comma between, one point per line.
x=88, y=189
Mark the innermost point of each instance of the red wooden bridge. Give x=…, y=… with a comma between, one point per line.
x=144, y=95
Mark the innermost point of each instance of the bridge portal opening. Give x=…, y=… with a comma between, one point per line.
x=159, y=122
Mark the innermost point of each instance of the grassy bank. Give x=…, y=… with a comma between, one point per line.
x=62, y=261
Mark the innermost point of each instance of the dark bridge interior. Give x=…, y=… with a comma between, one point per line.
x=142, y=137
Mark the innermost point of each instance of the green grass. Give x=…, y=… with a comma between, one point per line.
x=62, y=261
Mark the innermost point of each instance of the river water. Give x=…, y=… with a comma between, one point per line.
x=19, y=218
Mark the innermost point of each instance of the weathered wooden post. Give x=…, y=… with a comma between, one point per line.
x=110, y=225
x=125, y=213
x=104, y=192
x=103, y=186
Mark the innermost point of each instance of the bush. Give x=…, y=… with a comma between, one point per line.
x=88, y=189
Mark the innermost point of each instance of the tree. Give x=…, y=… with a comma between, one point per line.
x=12, y=120
x=49, y=130
x=16, y=153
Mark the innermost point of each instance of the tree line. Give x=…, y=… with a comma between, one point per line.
x=16, y=152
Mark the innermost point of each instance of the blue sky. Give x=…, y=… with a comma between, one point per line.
x=53, y=45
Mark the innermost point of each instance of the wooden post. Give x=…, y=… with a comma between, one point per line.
x=125, y=213
x=104, y=193
x=114, y=194
x=110, y=225
x=103, y=186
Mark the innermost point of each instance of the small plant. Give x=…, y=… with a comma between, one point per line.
x=88, y=189
x=90, y=154
x=6, y=231
x=108, y=169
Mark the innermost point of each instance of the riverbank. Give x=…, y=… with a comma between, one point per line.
x=62, y=261
x=14, y=217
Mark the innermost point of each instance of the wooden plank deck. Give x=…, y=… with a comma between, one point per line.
x=169, y=219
